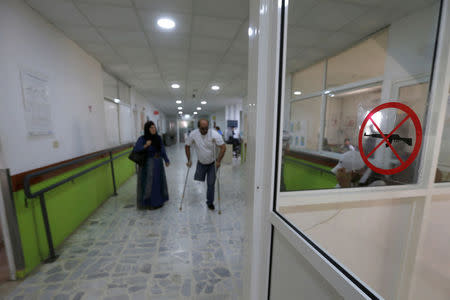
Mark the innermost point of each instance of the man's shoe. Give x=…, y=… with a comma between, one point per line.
x=211, y=206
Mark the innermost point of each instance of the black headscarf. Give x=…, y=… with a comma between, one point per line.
x=156, y=140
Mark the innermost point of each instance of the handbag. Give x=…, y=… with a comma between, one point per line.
x=138, y=157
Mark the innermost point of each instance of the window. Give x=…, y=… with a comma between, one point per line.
x=345, y=111
x=308, y=80
x=359, y=122
x=363, y=61
x=305, y=124
x=443, y=169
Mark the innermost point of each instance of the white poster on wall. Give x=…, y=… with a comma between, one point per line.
x=36, y=103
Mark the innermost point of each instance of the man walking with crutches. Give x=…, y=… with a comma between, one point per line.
x=205, y=140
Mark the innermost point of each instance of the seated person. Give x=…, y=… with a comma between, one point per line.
x=352, y=172
x=347, y=146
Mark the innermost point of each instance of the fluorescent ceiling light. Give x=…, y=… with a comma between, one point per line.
x=166, y=23
x=179, y=107
x=175, y=86
x=199, y=108
x=195, y=112
x=179, y=101
x=297, y=93
x=215, y=87
x=117, y=100
x=203, y=102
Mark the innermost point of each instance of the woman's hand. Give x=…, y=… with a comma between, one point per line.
x=167, y=164
x=148, y=144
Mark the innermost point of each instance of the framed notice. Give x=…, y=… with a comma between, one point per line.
x=36, y=102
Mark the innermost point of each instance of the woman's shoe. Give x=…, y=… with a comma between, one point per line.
x=155, y=207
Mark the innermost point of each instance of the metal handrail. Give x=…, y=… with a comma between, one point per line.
x=41, y=192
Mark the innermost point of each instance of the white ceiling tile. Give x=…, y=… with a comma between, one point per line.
x=199, y=57
x=300, y=37
x=180, y=6
x=109, y=59
x=98, y=49
x=169, y=41
x=215, y=27
x=209, y=44
x=234, y=9
x=331, y=15
x=120, y=68
x=243, y=33
x=85, y=34
x=134, y=52
x=111, y=16
x=232, y=69
x=125, y=38
x=122, y=3
x=298, y=9
x=236, y=58
x=149, y=76
x=171, y=55
x=239, y=47
x=150, y=18
x=59, y=12
x=144, y=68
x=338, y=41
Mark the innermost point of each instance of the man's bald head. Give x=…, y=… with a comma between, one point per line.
x=203, y=126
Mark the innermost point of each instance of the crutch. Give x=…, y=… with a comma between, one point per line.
x=184, y=189
x=216, y=172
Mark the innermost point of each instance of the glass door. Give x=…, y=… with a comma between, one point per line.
x=361, y=99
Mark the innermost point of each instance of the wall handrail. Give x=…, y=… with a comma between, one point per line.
x=40, y=193
x=28, y=178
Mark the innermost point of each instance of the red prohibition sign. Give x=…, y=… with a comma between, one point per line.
x=403, y=163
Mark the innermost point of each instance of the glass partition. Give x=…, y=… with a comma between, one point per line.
x=358, y=121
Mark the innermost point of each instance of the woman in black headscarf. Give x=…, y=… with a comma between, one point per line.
x=152, y=189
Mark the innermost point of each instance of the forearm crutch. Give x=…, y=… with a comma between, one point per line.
x=216, y=174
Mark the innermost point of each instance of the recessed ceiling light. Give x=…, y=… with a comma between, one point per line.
x=180, y=108
x=166, y=23
x=326, y=92
x=195, y=112
x=332, y=95
x=179, y=101
x=117, y=100
x=215, y=87
x=199, y=108
x=180, y=112
x=175, y=86
x=297, y=93
x=203, y=102
x=250, y=31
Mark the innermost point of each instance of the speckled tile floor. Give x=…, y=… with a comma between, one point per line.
x=123, y=253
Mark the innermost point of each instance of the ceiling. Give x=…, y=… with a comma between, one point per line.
x=322, y=28
x=208, y=45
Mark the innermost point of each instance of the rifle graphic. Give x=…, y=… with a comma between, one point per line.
x=394, y=137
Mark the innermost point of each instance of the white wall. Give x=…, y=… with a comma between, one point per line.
x=75, y=83
x=142, y=107
x=220, y=119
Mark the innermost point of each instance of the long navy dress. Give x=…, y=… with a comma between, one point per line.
x=152, y=189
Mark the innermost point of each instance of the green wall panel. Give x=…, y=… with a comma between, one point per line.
x=68, y=206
